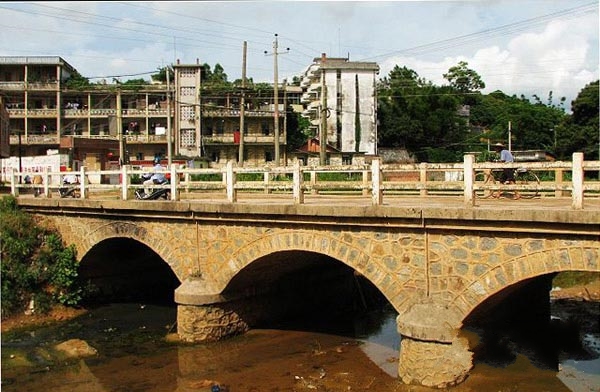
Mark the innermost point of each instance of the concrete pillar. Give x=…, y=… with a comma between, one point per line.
x=432, y=354
x=208, y=323
x=203, y=315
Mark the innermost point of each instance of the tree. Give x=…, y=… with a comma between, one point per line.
x=421, y=117
x=76, y=81
x=579, y=131
x=161, y=76
x=464, y=79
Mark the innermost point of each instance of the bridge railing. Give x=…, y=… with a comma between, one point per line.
x=559, y=179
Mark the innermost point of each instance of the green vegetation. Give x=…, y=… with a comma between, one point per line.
x=36, y=267
x=575, y=278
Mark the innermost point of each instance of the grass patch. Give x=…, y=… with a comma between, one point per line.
x=575, y=278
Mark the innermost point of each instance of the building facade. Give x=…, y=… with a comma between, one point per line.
x=340, y=97
x=42, y=109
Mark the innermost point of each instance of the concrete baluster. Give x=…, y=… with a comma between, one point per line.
x=423, y=178
x=377, y=195
x=298, y=191
x=469, y=179
x=174, y=182
x=83, y=182
x=14, y=189
x=230, y=181
x=124, y=182
x=46, y=178
x=577, y=191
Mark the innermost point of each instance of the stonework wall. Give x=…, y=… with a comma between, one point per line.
x=457, y=270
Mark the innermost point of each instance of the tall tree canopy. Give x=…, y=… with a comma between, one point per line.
x=423, y=118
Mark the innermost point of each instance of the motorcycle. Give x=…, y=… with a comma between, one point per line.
x=155, y=194
x=69, y=190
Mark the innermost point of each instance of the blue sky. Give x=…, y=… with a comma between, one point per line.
x=517, y=46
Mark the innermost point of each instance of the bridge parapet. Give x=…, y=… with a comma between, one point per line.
x=458, y=181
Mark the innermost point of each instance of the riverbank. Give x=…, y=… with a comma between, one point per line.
x=589, y=292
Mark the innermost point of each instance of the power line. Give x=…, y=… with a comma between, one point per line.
x=487, y=33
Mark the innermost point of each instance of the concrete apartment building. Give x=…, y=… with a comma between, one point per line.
x=347, y=91
x=104, y=122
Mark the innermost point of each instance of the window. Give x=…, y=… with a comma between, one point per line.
x=220, y=127
x=268, y=156
x=188, y=137
x=346, y=159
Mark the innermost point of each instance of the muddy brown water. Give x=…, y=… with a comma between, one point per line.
x=133, y=355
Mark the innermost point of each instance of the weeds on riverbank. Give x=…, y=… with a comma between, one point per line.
x=38, y=270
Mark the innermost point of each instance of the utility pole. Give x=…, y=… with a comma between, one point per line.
x=120, y=129
x=169, y=133
x=323, y=126
x=509, y=136
x=242, y=107
x=276, y=97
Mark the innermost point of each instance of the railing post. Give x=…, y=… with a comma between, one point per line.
x=558, y=180
x=174, y=182
x=230, y=181
x=365, y=181
x=577, y=189
x=266, y=179
x=469, y=176
x=46, y=178
x=313, y=182
x=83, y=182
x=423, y=179
x=124, y=183
x=377, y=195
x=297, y=188
x=14, y=189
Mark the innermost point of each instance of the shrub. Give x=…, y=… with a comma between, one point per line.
x=35, y=264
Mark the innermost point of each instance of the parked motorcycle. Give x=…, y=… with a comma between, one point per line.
x=155, y=194
x=68, y=192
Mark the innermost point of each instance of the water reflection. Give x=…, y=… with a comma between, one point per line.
x=134, y=356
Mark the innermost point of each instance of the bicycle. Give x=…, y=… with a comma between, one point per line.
x=522, y=176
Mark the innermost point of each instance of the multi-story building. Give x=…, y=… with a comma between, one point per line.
x=208, y=122
x=340, y=96
x=43, y=109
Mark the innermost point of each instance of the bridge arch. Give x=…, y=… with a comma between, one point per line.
x=536, y=263
x=86, y=233
x=357, y=252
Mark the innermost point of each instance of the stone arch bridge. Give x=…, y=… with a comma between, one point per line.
x=435, y=264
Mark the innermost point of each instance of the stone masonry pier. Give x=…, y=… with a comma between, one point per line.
x=435, y=262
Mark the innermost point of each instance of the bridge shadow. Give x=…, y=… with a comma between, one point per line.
x=300, y=290
x=125, y=270
x=520, y=321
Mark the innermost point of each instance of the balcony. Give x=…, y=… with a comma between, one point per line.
x=228, y=139
x=34, y=139
x=12, y=86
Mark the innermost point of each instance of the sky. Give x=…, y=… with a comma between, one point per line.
x=520, y=47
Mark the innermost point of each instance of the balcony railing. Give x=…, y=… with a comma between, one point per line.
x=229, y=139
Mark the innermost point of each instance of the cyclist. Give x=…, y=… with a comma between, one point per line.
x=508, y=176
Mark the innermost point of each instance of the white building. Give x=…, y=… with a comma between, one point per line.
x=349, y=103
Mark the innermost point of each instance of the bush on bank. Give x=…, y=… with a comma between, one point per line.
x=37, y=269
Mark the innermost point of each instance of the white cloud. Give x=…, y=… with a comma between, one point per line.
x=556, y=59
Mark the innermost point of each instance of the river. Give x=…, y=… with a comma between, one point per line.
x=357, y=354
